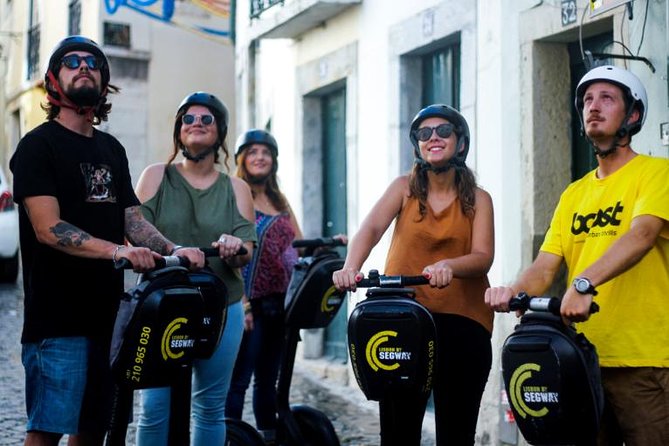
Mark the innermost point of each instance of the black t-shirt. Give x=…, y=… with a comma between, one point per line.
x=67, y=295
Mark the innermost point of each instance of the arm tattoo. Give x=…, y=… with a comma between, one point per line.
x=142, y=233
x=69, y=235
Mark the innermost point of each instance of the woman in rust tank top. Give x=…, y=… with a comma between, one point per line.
x=444, y=231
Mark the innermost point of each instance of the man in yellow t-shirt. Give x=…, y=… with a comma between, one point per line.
x=611, y=228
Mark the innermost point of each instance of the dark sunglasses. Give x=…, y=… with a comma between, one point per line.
x=425, y=133
x=73, y=61
x=189, y=119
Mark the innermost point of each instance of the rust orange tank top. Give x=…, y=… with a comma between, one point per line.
x=417, y=243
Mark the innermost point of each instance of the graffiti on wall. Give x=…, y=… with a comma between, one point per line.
x=212, y=18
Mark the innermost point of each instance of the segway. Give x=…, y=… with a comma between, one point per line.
x=312, y=301
x=551, y=374
x=171, y=317
x=392, y=338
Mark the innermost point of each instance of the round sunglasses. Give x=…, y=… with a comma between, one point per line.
x=73, y=61
x=189, y=119
x=425, y=133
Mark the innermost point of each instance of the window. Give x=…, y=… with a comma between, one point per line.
x=117, y=34
x=441, y=76
x=74, y=21
x=33, y=43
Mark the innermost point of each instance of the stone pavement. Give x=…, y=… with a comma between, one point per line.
x=354, y=418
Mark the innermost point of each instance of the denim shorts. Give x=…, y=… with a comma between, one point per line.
x=65, y=379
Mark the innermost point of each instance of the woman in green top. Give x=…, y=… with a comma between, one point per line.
x=195, y=204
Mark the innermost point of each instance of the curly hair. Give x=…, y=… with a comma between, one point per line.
x=100, y=111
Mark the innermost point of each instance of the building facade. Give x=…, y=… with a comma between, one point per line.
x=154, y=59
x=339, y=81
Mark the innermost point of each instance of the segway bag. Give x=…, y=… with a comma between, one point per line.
x=392, y=343
x=157, y=327
x=215, y=298
x=552, y=378
x=312, y=301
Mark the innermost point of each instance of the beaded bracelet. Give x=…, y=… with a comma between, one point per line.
x=118, y=248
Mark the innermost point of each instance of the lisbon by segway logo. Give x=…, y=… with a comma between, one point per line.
x=385, y=357
x=331, y=300
x=523, y=395
x=172, y=340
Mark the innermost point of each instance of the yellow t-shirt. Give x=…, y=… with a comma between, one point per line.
x=632, y=327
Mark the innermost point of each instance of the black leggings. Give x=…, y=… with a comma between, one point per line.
x=464, y=358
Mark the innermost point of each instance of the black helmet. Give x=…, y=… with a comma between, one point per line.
x=77, y=43
x=451, y=115
x=256, y=136
x=212, y=103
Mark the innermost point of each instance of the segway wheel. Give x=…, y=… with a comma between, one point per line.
x=315, y=427
x=240, y=433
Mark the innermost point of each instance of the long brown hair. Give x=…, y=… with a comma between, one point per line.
x=465, y=183
x=272, y=189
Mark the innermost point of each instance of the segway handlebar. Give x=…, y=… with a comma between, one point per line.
x=166, y=261
x=317, y=242
x=374, y=279
x=546, y=304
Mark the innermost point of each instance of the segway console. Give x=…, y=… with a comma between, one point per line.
x=552, y=377
x=392, y=338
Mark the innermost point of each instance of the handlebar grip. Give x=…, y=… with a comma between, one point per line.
x=213, y=252
x=367, y=283
x=414, y=280
x=317, y=242
x=541, y=303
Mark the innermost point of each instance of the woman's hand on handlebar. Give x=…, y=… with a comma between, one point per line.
x=346, y=279
x=228, y=245
x=439, y=274
x=498, y=298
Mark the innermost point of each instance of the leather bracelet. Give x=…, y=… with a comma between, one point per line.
x=118, y=248
x=175, y=249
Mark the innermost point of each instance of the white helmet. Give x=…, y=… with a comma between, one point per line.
x=627, y=81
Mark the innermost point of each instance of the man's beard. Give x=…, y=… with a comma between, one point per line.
x=84, y=96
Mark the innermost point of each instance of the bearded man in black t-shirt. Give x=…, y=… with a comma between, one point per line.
x=77, y=206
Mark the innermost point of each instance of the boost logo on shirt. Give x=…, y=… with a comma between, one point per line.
x=99, y=185
x=602, y=218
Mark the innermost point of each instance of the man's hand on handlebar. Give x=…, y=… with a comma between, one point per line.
x=346, y=279
x=498, y=298
x=575, y=306
x=194, y=255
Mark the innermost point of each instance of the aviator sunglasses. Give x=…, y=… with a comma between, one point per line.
x=425, y=133
x=73, y=61
x=189, y=119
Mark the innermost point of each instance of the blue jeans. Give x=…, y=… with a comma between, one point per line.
x=68, y=385
x=211, y=381
x=259, y=355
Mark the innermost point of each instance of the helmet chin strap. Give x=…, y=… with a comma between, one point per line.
x=424, y=165
x=200, y=156
x=621, y=133
x=66, y=102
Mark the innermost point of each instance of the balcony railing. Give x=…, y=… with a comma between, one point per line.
x=260, y=6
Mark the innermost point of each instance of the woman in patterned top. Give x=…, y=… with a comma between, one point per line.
x=266, y=280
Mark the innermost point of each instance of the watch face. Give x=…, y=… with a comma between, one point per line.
x=581, y=285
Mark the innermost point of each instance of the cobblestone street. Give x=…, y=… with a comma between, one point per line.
x=354, y=419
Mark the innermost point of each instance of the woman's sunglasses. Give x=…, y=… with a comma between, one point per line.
x=189, y=119
x=73, y=61
x=425, y=133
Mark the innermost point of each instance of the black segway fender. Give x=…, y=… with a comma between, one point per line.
x=315, y=427
x=392, y=343
x=312, y=301
x=551, y=375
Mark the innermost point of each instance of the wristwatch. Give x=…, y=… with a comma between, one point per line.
x=584, y=286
